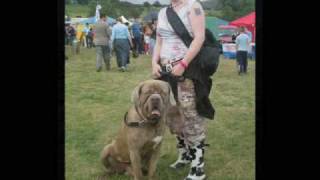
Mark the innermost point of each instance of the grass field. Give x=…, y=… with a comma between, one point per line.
x=96, y=102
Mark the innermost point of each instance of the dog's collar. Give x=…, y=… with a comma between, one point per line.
x=136, y=124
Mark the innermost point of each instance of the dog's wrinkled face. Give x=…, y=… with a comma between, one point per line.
x=153, y=97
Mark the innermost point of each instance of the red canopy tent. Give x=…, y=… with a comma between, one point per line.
x=248, y=21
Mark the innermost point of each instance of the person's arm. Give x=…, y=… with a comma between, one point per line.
x=197, y=20
x=156, y=57
x=108, y=32
x=113, y=34
x=129, y=37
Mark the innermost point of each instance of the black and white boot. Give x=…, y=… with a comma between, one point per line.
x=197, y=163
x=183, y=158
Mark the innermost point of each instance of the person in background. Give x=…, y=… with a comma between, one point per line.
x=79, y=35
x=242, y=46
x=102, y=36
x=71, y=34
x=89, y=38
x=131, y=46
x=147, y=44
x=234, y=36
x=153, y=35
x=66, y=34
x=147, y=34
x=136, y=32
x=141, y=48
x=85, y=31
x=121, y=40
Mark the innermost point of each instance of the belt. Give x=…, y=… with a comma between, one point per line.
x=168, y=66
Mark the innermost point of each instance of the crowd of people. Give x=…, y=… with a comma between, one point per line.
x=118, y=38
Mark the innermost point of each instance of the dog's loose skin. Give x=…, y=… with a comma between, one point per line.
x=136, y=150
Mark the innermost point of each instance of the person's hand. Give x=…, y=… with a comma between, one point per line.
x=177, y=70
x=156, y=69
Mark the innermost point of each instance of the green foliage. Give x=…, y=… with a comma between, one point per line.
x=232, y=9
x=156, y=4
x=74, y=10
x=115, y=8
x=146, y=4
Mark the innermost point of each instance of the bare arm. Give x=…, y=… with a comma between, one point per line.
x=156, y=57
x=197, y=20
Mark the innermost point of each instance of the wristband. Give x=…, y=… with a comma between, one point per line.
x=183, y=64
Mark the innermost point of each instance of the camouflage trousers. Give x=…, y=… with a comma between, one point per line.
x=195, y=126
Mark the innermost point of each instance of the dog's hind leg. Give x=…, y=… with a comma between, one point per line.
x=105, y=156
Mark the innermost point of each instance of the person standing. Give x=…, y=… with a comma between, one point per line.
x=102, y=36
x=136, y=32
x=170, y=51
x=153, y=35
x=147, y=34
x=242, y=46
x=121, y=39
x=86, y=30
x=90, y=38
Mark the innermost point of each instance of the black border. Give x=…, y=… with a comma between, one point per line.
x=259, y=89
x=61, y=91
x=261, y=113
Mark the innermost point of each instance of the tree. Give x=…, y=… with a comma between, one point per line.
x=146, y=4
x=115, y=8
x=68, y=1
x=232, y=9
x=83, y=2
x=156, y=4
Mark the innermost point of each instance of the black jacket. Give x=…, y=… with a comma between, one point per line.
x=202, y=85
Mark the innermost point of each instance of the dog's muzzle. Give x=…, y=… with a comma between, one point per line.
x=155, y=107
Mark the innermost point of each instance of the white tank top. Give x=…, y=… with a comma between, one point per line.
x=173, y=47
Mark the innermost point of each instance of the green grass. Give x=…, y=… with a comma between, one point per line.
x=96, y=103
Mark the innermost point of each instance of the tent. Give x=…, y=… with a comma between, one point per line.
x=213, y=23
x=248, y=21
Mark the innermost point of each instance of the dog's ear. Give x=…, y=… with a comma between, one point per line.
x=136, y=93
x=171, y=96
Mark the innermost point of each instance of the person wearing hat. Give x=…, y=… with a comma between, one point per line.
x=120, y=39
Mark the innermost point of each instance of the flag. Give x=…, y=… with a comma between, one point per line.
x=98, y=12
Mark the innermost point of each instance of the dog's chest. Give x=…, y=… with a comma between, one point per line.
x=152, y=145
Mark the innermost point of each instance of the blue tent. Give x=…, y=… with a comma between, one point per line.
x=92, y=20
